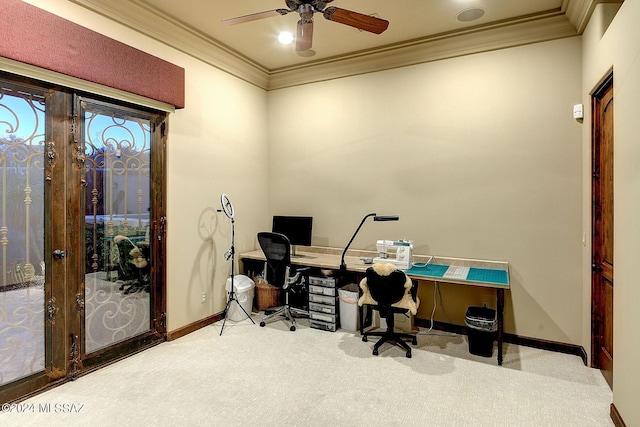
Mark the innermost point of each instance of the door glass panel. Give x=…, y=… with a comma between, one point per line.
x=22, y=336
x=117, y=207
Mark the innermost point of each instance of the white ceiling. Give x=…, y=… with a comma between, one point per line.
x=419, y=31
x=408, y=20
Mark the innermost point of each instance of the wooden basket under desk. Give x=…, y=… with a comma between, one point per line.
x=266, y=295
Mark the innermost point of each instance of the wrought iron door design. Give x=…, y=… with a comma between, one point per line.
x=117, y=148
x=22, y=266
x=81, y=233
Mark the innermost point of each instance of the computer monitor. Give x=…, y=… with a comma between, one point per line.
x=296, y=228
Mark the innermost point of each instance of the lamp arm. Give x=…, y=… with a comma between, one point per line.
x=343, y=265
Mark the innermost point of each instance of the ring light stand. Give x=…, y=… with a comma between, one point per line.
x=227, y=208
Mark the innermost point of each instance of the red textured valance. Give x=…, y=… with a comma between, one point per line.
x=36, y=37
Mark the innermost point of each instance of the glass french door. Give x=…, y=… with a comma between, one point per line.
x=23, y=294
x=81, y=234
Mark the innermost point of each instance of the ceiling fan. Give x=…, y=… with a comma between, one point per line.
x=306, y=9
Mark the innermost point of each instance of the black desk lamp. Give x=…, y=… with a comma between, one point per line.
x=376, y=217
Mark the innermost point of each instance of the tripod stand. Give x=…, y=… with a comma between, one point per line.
x=227, y=208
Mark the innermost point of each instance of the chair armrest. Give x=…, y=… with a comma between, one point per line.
x=289, y=280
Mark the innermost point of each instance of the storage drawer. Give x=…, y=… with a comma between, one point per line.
x=331, y=327
x=329, y=318
x=322, y=308
x=321, y=290
x=327, y=282
x=322, y=299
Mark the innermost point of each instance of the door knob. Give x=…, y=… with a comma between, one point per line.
x=59, y=254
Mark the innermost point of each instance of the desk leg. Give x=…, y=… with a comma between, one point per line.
x=500, y=310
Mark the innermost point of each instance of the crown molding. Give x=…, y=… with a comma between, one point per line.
x=428, y=50
x=579, y=11
x=141, y=16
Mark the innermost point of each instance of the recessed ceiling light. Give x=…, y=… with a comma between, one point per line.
x=471, y=14
x=285, y=37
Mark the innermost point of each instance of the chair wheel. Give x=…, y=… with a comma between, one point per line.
x=292, y=328
x=409, y=354
x=262, y=324
x=375, y=351
x=415, y=341
x=364, y=339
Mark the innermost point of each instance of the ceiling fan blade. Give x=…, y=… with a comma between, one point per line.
x=356, y=20
x=304, y=36
x=254, y=16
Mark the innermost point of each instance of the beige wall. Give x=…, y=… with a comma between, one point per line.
x=216, y=145
x=619, y=48
x=479, y=155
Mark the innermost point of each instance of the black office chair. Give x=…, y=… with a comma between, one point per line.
x=279, y=272
x=389, y=291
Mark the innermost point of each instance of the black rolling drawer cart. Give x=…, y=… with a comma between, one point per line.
x=323, y=307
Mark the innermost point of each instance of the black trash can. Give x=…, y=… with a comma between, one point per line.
x=481, y=329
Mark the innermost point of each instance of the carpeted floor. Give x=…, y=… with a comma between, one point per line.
x=271, y=376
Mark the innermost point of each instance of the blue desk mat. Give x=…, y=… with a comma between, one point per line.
x=477, y=275
x=431, y=270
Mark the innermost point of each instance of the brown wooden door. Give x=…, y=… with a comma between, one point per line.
x=81, y=234
x=603, y=204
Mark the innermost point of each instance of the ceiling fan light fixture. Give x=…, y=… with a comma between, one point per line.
x=470, y=14
x=285, y=37
x=306, y=11
x=304, y=34
x=306, y=53
x=304, y=29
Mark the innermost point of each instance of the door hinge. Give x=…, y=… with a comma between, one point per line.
x=52, y=309
x=163, y=128
x=159, y=325
x=74, y=358
x=163, y=225
x=596, y=268
x=51, y=159
x=74, y=127
x=80, y=303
